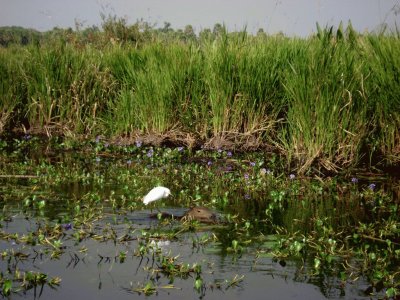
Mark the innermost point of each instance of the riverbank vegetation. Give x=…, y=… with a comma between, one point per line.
x=326, y=102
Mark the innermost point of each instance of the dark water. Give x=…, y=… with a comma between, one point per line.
x=98, y=273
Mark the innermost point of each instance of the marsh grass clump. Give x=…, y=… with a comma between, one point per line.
x=326, y=102
x=325, y=89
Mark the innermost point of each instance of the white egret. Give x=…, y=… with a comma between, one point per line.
x=156, y=193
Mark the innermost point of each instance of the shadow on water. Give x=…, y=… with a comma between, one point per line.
x=80, y=218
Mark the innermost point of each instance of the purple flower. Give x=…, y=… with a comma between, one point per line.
x=129, y=162
x=247, y=196
x=27, y=137
x=246, y=176
x=229, y=154
x=219, y=150
x=106, y=145
x=209, y=163
x=253, y=164
x=354, y=180
x=67, y=226
x=138, y=144
x=372, y=186
x=180, y=149
x=150, y=153
x=292, y=176
x=97, y=139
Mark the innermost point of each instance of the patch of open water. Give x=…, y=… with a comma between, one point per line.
x=98, y=273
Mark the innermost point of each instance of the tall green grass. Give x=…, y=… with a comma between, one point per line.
x=382, y=88
x=330, y=100
x=61, y=87
x=242, y=87
x=9, y=97
x=154, y=85
x=327, y=107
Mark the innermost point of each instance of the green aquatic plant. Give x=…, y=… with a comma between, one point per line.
x=149, y=288
x=74, y=205
x=16, y=280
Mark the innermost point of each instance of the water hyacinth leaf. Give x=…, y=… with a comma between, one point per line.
x=149, y=288
x=372, y=256
x=343, y=276
x=234, y=244
x=391, y=292
x=296, y=247
x=198, y=284
x=41, y=204
x=270, y=244
x=329, y=258
x=265, y=254
x=6, y=288
x=317, y=263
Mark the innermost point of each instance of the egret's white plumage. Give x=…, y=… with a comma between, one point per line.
x=155, y=194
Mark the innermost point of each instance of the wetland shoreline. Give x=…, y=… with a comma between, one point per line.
x=329, y=102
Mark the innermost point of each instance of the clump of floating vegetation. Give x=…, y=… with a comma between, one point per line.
x=84, y=206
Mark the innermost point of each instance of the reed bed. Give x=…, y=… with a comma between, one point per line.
x=330, y=101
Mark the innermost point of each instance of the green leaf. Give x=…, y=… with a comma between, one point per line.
x=198, y=283
x=234, y=244
x=391, y=292
x=372, y=256
x=7, y=285
x=317, y=263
